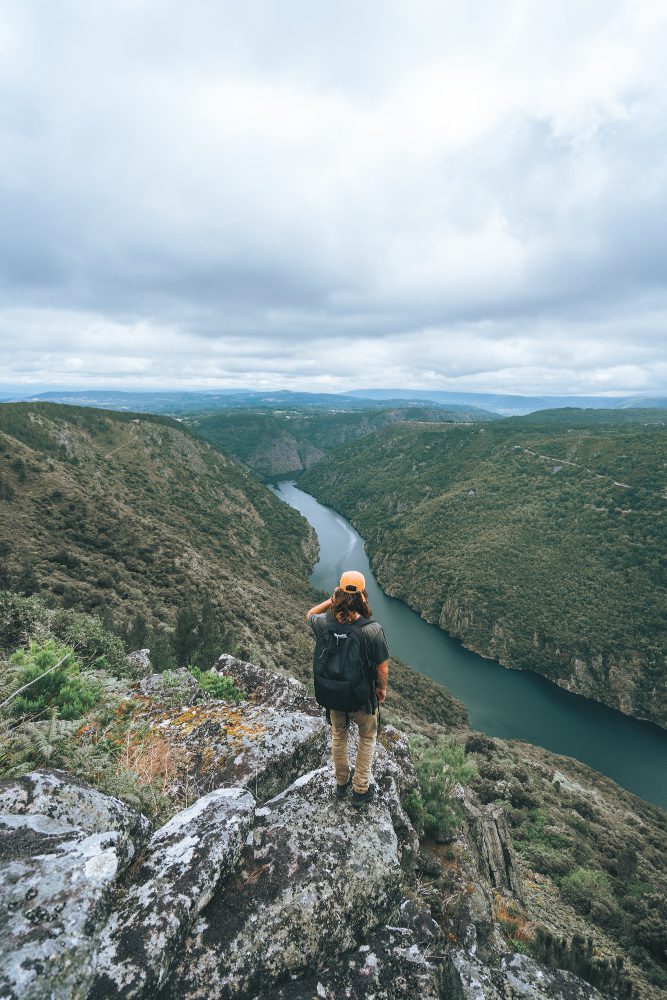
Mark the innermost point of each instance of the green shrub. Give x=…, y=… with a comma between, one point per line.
x=584, y=887
x=439, y=768
x=23, y=619
x=63, y=691
x=216, y=685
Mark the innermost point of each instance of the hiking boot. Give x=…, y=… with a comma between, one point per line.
x=341, y=790
x=361, y=798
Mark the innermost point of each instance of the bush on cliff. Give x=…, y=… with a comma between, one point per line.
x=47, y=678
x=439, y=768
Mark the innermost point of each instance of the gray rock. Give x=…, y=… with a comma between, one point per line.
x=528, y=980
x=172, y=687
x=55, y=886
x=139, y=663
x=389, y=966
x=74, y=803
x=464, y=978
x=317, y=876
x=173, y=881
x=420, y=922
x=488, y=835
x=267, y=686
x=517, y=978
x=241, y=744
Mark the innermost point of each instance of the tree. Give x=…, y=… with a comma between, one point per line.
x=185, y=640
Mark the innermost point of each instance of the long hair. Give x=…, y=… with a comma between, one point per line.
x=345, y=604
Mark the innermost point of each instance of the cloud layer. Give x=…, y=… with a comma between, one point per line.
x=427, y=194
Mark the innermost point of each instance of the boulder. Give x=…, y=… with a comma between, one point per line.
x=55, y=886
x=315, y=879
x=518, y=978
x=268, y=687
x=173, y=881
x=139, y=663
x=464, y=978
x=389, y=966
x=173, y=687
x=242, y=744
x=74, y=803
x=527, y=979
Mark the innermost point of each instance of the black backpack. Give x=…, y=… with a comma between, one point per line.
x=342, y=676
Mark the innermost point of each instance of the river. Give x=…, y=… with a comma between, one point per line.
x=512, y=704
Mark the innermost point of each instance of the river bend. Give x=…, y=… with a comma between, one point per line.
x=511, y=704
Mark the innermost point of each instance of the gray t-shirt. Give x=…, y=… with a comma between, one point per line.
x=375, y=642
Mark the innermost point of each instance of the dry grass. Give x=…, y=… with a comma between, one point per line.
x=152, y=758
x=512, y=920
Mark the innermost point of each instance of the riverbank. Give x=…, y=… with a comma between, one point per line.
x=510, y=704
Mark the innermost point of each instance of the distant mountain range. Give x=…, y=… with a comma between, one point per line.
x=511, y=405
x=175, y=401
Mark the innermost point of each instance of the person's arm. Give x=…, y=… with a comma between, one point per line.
x=319, y=608
x=382, y=681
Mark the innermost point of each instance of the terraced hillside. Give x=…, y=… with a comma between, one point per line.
x=133, y=518
x=537, y=540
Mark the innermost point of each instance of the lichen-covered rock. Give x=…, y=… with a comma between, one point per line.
x=74, y=803
x=518, y=977
x=267, y=687
x=389, y=966
x=55, y=886
x=526, y=979
x=241, y=744
x=172, y=687
x=174, y=880
x=316, y=878
x=139, y=663
x=464, y=978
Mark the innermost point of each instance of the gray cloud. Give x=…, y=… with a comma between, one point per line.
x=468, y=198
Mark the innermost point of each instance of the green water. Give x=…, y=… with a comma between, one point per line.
x=508, y=703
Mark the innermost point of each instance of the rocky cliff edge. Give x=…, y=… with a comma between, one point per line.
x=265, y=886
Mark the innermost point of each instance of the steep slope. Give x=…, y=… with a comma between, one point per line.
x=135, y=519
x=535, y=540
x=284, y=441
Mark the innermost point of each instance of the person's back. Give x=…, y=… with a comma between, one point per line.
x=333, y=622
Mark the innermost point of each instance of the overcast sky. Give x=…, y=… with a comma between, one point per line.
x=323, y=196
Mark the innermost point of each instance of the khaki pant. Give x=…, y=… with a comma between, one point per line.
x=368, y=727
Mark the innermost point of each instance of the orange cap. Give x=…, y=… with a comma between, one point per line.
x=352, y=582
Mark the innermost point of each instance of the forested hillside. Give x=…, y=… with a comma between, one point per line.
x=537, y=540
x=127, y=530
x=172, y=543
x=272, y=443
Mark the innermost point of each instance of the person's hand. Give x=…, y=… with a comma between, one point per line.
x=381, y=693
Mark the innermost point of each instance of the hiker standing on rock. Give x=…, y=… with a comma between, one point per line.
x=351, y=668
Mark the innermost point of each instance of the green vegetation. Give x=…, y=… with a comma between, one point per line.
x=537, y=540
x=593, y=851
x=272, y=443
x=577, y=955
x=439, y=768
x=91, y=721
x=24, y=619
x=586, y=889
x=46, y=678
x=170, y=544
x=216, y=685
